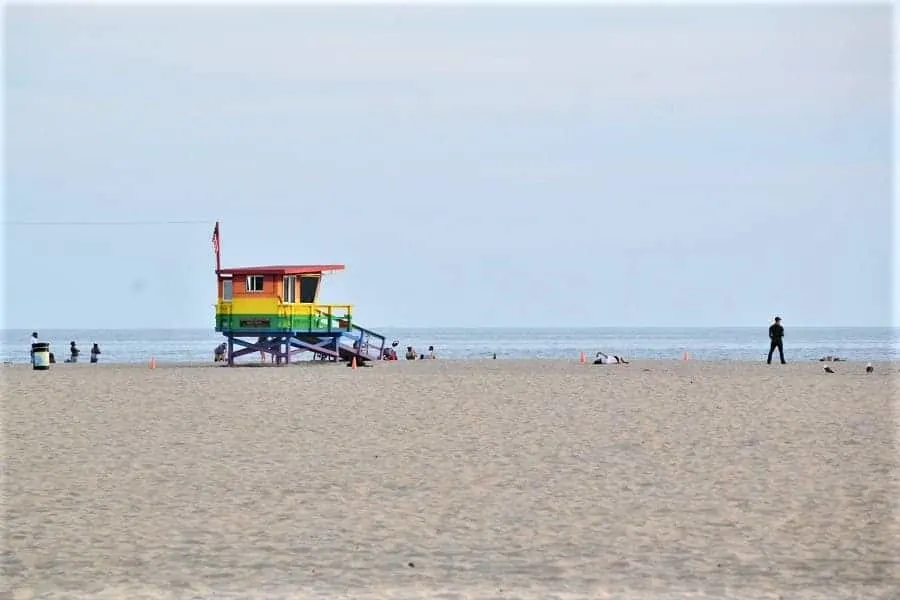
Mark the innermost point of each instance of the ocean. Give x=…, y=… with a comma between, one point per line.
x=740, y=343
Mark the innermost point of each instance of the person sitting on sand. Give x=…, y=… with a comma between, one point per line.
x=390, y=353
x=95, y=353
x=430, y=353
x=606, y=359
x=410, y=353
x=219, y=352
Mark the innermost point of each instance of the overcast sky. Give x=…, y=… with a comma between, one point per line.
x=471, y=166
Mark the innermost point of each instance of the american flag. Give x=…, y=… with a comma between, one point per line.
x=215, y=238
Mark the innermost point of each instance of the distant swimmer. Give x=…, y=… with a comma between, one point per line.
x=607, y=359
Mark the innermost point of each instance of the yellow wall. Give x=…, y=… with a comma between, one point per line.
x=268, y=305
x=250, y=305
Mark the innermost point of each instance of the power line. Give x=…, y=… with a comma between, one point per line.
x=118, y=223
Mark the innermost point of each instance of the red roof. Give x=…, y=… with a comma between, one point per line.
x=280, y=270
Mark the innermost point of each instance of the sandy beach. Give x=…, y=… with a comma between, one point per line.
x=444, y=479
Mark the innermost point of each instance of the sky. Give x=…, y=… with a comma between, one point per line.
x=472, y=166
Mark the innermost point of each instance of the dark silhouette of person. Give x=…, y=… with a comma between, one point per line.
x=95, y=353
x=776, y=337
x=73, y=353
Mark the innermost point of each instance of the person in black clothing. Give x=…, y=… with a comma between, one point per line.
x=776, y=335
x=73, y=353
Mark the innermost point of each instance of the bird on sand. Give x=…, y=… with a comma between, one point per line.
x=828, y=369
x=869, y=368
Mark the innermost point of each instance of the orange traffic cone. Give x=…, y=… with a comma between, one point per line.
x=353, y=363
x=686, y=356
x=582, y=359
x=152, y=362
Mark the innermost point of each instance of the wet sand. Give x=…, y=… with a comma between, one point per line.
x=444, y=479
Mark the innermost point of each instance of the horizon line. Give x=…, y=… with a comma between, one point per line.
x=473, y=327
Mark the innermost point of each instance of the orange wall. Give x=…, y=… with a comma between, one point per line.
x=240, y=286
x=272, y=286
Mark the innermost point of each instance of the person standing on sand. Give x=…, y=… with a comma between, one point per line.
x=73, y=353
x=776, y=337
x=32, y=342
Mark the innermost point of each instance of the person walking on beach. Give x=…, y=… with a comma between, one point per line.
x=776, y=337
x=31, y=343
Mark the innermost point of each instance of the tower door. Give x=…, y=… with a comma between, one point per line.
x=308, y=286
x=227, y=290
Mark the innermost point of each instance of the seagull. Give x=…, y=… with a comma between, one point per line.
x=828, y=369
x=869, y=368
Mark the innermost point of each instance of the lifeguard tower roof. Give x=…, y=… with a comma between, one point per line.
x=280, y=270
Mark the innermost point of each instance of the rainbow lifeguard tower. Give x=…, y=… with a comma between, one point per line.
x=274, y=311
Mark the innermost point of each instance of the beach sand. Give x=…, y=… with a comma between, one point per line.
x=444, y=479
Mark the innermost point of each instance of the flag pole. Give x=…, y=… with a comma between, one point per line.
x=217, y=245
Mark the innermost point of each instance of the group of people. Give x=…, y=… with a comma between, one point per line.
x=411, y=354
x=74, y=352
x=776, y=342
